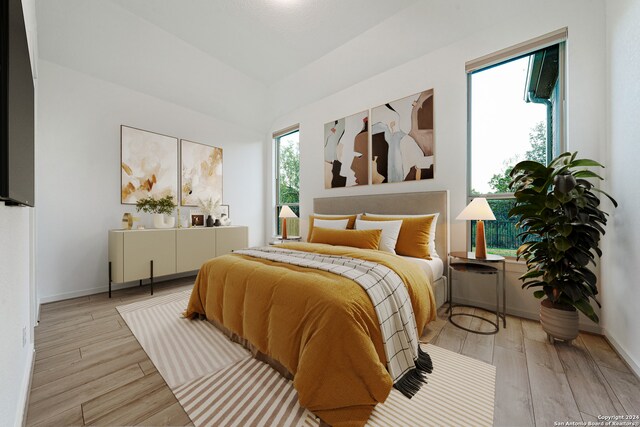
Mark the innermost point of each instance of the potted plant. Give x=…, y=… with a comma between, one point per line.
x=561, y=223
x=159, y=208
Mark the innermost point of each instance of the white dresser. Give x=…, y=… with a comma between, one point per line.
x=146, y=254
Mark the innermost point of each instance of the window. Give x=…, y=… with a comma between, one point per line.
x=515, y=109
x=287, y=179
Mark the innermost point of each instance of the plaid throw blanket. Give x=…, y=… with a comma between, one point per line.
x=407, y=363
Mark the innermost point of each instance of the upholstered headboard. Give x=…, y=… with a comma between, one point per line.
x=395, y=203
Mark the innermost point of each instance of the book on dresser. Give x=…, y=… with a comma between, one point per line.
x=150, y=253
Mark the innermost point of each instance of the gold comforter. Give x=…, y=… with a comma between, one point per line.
x=322, y=327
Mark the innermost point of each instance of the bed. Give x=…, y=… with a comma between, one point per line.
x=314, y=326
x=409, y=204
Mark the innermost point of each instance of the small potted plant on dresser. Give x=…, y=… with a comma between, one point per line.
x=159, y=208
x=560, y=225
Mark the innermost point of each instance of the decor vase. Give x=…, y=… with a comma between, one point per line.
x=159, y=221
x=210, y=222
x=558, y=321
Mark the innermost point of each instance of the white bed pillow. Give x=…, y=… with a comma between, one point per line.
x=336, y=224
x=390, y=231
x=432, y=231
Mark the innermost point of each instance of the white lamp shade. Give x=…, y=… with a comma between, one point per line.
x=478, y=209
x=286, y=212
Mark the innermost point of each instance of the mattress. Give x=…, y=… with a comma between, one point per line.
x=433, y=267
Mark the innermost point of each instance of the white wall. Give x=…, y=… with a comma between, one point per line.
x=17, y=284
x=15, y=312
x=621, y=269
x=78, y=174
x=443, y=69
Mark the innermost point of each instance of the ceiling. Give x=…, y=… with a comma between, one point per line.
x=265, y=39
x=234, y=59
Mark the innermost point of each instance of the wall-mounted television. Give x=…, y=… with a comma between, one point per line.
x=16, y=108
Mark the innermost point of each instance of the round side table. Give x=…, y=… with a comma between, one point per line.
x=466, y=262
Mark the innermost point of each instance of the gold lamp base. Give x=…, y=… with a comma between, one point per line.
x=284, y=229
x=481, y=244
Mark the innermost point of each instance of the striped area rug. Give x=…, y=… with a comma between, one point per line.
x=182, y=350
x=244, y=394
x=219, y=384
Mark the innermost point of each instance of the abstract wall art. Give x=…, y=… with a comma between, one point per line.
x=201, y=173
x=148, y=165
x=346, y=151
x=402, y=139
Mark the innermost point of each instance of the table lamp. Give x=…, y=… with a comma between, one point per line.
x=478, y=210
x=285, y=213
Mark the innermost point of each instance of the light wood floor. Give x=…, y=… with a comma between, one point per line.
x=89, y=369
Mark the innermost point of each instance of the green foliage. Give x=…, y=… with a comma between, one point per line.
x=501, y=208
x=500, y=182
x=561, y=224
x=289, y=190
x=165, y=205
x=538, y=153
x=538, y=140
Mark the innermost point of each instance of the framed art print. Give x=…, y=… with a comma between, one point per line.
x=402, y=139
x=346, y=151
x=201, y=173
x=148, y=165
x=196, y=218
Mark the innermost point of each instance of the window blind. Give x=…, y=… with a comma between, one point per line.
x=519, y=49
x=286, y=130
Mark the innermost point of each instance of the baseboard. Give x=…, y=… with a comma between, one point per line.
x=83, y=293
x=23, y=404
x=622, y=353
x=103, y=289
x=587, y=327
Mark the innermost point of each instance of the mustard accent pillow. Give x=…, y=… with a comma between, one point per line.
x=432, y=231
x=413, y=239
x=363, y=239
x=350, y=224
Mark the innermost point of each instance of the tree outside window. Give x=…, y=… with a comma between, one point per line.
x=288, y=179
x=514, y=116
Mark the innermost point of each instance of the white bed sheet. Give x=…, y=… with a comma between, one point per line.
x=433, y=267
